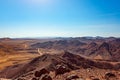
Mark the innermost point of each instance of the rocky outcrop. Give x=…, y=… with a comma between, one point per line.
x=45, y=77
x=61, y=69
x=34, y=78
x=4, y=79
x=41, y=72
x=59, y=64
x=110, y=76
x=96, y=79
x=71, y=77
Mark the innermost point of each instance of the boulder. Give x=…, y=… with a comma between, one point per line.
x=71, y=77
x=4, y=79
x=110, y=76
x=20, y=79
x=41, y=72
x=61, y=69
x=45, y=77
x=34, y=78
x=96, y=79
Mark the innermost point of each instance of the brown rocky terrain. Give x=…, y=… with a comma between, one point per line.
x=82, y=58
x=107, y=48
x=62, y=66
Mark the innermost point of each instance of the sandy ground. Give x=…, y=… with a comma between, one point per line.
x=10, y=60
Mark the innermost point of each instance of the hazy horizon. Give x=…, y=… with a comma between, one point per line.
x=53, y=37
x=59, y=18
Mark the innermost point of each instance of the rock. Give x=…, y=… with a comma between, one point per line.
x=34, y=79
x=45, y=77
x=110, y=76
x=96, y=79
x=72, y=77
x=87, y=79
x=41, y=72
x=20, y=79
x=4, y=79
x=61, y=69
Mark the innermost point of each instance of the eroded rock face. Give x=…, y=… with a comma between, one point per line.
x=61, y=69
x=96, y=79
x=110, y=76
x=4, y=79
x=20, y=79
x=45, y=77
x=34, y=78
x=71, y=77
x=41, y=72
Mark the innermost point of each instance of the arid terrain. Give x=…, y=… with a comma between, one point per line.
x=80, y=58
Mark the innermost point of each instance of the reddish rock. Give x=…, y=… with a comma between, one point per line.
x=110, y=76
x=61, y=69
x=46, y=77
x=34, y=79
x=41, y=72
x=72, y=77
x=96, y=79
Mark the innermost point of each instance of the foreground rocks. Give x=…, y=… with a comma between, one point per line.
x=46, y=77
x=110, y=76
x=61, y=69
x=96, y=79
x=71, y=77
x=4, y=79
x=65, y=66
x=41, y=72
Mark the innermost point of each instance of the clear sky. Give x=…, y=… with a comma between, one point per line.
x=59, y=18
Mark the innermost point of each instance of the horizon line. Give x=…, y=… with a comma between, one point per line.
x=61, y=37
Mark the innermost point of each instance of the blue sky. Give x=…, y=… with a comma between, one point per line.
x=59, y=18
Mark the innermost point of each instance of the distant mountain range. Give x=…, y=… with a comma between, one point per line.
x=105, y=48
x=84, y=58
x=92, y=47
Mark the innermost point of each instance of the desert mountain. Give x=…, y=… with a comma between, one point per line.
x=6, y=49
x=107, y=48
x=58, y=64
x=85, y=58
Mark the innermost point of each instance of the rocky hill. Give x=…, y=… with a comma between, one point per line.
x=107, y=48
x=6, y=49
x=51, y=66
